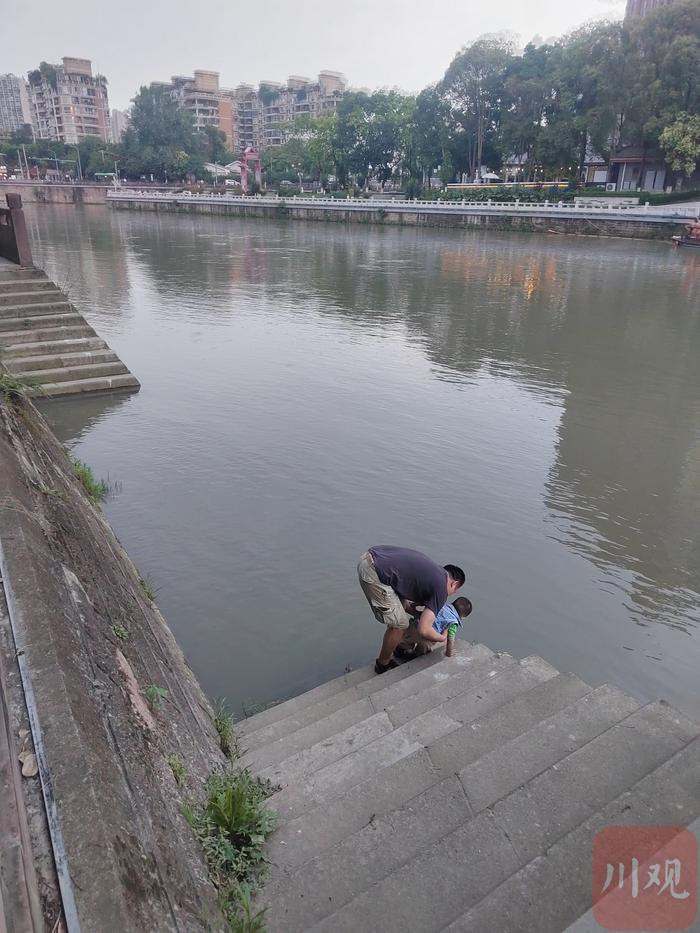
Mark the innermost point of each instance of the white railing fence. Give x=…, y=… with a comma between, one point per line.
x=552, y=208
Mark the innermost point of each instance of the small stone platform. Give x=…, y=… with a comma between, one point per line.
x=458, y=795
x=43, y=337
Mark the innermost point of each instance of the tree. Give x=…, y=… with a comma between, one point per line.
x=286, y=162
x=429, y=131
x=213, y=143
x=527, y=107
x=161, y=139
x=473, y=88
x=587, y=80
x=662, y=72
x=681, y=142
x=369, y=137
x=318, y=136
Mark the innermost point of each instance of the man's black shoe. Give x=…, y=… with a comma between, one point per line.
x=383, y=668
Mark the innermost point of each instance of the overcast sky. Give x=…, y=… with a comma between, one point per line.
x=375, y=43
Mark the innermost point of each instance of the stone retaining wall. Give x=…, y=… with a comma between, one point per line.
x=37, y=193
x=386, y=217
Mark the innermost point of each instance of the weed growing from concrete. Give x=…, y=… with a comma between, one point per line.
x=147, y=588
x=155, y=696
x=50, y=491
x=177, y=766
x=232, y=826
x=96, y=489
x=223, y=723
x=120, y=632
x=245, y=920
x=13, y=388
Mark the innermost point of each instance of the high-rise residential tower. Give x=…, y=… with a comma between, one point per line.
x=637, y=8
x=68, y=102
x=14, y=104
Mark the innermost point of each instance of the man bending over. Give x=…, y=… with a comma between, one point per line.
x=396, y=578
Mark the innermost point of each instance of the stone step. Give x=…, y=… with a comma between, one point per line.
x=291, y=706
x=669, y=796
x=327, y=749
x=19, y=364
x=12, y=285
x=450, y=877
x=19, y=274
x=306, y=894
x=499, y=772
x=311, y=711
x=49, y=306
x=44, y=335
x=49, y=349
x=62, y=319
x=320, y=726
x=321, y=827
x=102, y=384
x=336, y=779
x=74, y=373
x=323, y=691
x=31, y=297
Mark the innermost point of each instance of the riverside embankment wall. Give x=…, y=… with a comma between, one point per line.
x=89, y=642
x=424, y=216
x=38, y=193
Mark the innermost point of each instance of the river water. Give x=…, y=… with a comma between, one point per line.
x=527, y=406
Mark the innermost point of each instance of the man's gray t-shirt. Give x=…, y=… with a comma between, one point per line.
x=412, y=575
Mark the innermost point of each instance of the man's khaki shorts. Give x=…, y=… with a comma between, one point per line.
x=384, y=601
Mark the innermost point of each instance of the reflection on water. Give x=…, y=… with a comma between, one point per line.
x=529, y=406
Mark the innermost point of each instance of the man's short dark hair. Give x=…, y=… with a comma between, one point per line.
x=463, y=606
x=456, y=573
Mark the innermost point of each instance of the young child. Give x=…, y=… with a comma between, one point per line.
x=450, y=614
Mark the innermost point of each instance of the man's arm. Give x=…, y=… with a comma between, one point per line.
x=425, y=627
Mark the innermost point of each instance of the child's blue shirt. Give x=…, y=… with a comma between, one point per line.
x=447, y=616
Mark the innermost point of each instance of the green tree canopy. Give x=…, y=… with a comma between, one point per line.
x=681, y=142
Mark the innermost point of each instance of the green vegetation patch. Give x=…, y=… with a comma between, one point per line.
x=155, y=696
x=232, y=826
x=97, y=490
x=14, y=387
x=177, y=766
x=228, y=740
x=148, y=588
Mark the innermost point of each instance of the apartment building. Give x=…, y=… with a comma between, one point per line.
x=118, y=121
x=638, y=8
x=255, y=117
x=14, y=104
x=68, y=102
x=281, y=104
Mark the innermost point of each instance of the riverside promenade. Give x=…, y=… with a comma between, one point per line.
x=642, y=221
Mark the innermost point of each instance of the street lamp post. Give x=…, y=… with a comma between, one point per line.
x=80, y=166
x=55, y=160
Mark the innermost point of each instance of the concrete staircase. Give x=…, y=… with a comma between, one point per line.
x=458, y=794
x=44, y=338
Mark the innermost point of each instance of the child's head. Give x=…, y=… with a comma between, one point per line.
x=463, y=606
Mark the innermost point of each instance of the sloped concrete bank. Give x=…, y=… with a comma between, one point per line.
x=88, y=643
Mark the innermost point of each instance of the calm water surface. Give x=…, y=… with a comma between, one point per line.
x=526, y=406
